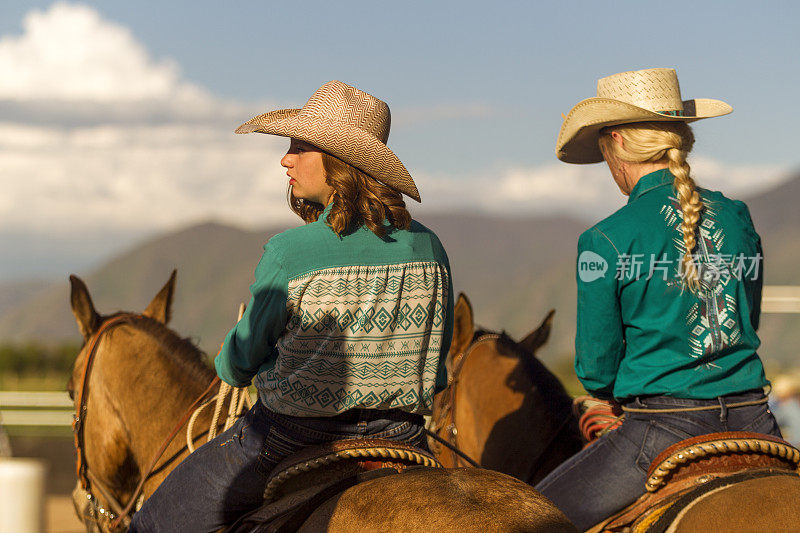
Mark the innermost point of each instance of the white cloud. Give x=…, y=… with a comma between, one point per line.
x=146, y=177
x=70, y=53
x=98, y=136
x=583, y=191
x=122, y=146
x=737, y=181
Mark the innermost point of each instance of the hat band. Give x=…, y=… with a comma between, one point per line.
x=674, y=113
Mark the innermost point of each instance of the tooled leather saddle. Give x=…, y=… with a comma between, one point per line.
x=693, y=467
x=304, y=481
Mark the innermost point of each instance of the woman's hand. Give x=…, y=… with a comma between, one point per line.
x=596, y=417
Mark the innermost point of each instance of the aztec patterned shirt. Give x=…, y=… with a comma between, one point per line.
x=341, y=323
x=639, y=331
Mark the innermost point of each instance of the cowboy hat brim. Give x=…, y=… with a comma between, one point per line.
x=577, y=140
x=347, y=142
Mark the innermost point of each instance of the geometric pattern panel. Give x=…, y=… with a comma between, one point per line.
x=712, y=322
x=359, y=336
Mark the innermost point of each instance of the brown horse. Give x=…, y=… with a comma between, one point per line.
x=143, y=377
x=503, y=408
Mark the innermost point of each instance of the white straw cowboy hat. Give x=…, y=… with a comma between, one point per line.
x=347, y=123
x=636, y=96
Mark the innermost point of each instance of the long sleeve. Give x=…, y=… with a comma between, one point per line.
x=447, y=336
x=249, y=347
x=599, y=342
x=754, y=280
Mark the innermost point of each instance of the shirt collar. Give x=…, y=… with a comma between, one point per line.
x=325, y=212
x=648, y=182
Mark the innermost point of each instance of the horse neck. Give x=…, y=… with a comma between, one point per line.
x=555, y=404
x=501, y=397
x=151, y=378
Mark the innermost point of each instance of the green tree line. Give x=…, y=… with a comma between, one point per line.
x=35, y=359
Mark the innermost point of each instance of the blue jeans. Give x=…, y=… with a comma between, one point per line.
x=226, y=477
x=610, y=474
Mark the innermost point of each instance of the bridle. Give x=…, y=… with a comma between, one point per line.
x=116, y=513
x=446, y=422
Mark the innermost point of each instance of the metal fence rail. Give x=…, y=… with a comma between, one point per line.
x=35, y=408
x=780, y=299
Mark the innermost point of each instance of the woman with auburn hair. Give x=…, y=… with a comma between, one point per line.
x=349, y=321
x=669, y=295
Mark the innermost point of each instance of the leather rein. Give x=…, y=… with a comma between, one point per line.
x=85, y=476
x=449, y=410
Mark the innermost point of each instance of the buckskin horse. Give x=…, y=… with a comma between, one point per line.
x=503, y=409
x=134, y=381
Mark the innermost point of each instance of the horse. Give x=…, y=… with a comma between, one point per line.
x=135, y=377
x=502, y=407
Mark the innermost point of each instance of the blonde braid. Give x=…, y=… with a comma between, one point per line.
x=670, y=142
x=691, y=205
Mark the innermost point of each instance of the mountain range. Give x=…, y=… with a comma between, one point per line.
x=513, y=269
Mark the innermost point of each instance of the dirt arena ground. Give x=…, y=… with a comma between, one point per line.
x=61, y=516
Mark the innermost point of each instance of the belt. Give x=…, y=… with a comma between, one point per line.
x=701, y=408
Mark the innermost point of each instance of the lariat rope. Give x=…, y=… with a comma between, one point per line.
x=596, y=417
x=239, y=403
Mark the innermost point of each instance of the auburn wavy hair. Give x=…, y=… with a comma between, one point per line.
x=358, y=199
x=664, y=142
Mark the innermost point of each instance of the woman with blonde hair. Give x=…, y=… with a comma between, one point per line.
x=669, y=294
x=349, y=320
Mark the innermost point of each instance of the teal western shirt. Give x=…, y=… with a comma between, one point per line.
x=336, y=323
x=639, y=331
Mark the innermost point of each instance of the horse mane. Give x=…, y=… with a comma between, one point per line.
x=180, y=352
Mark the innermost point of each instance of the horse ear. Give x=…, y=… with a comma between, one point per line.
x=539, y=336
x=463, y=326
x=160, y=308
x=82, y=307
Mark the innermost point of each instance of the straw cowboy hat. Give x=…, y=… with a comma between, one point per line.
x=347, y=123
x=637, y=96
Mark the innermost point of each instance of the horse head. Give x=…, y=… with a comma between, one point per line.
x=130, y=377
x=503, y=407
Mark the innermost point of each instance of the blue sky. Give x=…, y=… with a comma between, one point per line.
x=477, y=91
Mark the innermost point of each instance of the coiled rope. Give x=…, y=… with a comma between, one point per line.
x=240, y=402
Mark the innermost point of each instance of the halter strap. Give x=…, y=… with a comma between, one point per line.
x=80, y=413
x=451, y=441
